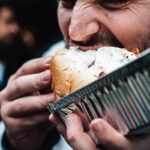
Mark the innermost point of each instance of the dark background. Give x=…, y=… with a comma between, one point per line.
x=41, y=17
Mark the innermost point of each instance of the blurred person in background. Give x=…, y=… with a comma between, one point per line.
x=8, y=26
x=25, y=33
x=13, y=49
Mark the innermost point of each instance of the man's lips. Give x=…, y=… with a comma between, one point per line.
x=84, y=45
x=93, y=44
x=93, y=47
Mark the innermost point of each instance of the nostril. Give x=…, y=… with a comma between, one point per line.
x=93, y=39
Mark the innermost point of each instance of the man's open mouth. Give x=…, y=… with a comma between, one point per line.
x=95, y=42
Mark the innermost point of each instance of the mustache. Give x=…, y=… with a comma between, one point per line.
x=98, y=39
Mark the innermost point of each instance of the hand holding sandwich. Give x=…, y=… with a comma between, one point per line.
x=23, y=109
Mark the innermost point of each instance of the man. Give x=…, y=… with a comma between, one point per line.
x=8, y=26
x=88, y=24
x=13, y=50
x=8, y=31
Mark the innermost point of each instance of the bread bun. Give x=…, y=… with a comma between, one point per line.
x=72, y=69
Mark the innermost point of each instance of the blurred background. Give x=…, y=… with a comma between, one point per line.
x=27, y=29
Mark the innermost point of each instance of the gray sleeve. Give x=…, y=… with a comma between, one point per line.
x=62, y=144
x=2, y=130
x=54, y=48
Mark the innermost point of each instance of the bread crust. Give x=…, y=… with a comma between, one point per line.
x=66, y=77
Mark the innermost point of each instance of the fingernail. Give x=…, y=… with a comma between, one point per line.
x=51, y=98
x=96, y=126
x=46, y=76
x=51, y=117
x=47, y=60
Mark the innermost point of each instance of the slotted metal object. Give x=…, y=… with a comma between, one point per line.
x=122, y=98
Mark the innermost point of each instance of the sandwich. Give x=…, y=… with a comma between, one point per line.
x=72, y=68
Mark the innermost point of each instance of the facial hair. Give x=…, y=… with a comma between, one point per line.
x=102, y=38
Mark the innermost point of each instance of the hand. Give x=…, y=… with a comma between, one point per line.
x=107, y=137
x=73, y=132
x=23, y=108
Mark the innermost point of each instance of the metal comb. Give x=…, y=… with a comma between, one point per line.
x=122, y=98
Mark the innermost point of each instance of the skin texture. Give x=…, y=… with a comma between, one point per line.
x=23, y=108
x=123, y=25
x=107, y=137
x=88, y=24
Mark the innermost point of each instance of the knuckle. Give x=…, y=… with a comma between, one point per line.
x=2, y=96
x=23, y=69
x=4, y=111
x=11, y=78
x=9, y=121
x=17, y=85
x=38, y=83
x=20, y=106
x=72, y=138
x=42, y=102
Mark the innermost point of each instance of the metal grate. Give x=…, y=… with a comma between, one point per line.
x=122, y=98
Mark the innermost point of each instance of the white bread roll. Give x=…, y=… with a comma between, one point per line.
x=72, y=69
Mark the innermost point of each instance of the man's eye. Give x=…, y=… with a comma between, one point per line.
x=113, y=4
x=67, y=3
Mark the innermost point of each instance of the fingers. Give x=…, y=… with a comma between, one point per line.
x=78, y=139
x=109, y=137
x=28, y=105
x=58, y=124
x=33, y=66
x=73, y=132
x=27, y=122
x=28, y=84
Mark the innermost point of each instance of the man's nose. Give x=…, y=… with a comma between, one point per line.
x=83, y=25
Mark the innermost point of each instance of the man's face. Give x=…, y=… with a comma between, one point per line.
x=8, y=26
x=90, y=24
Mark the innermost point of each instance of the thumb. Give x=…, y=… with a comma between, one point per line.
x=108, y=136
